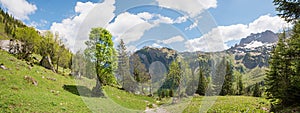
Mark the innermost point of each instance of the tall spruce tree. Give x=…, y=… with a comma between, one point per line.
x=256, y=90
x=277, y=79
x=139, y=71
x=227, y=88
x=202, y=84
x=293, y=54
x=240, y=85
x=123, y=62
x=174, y=77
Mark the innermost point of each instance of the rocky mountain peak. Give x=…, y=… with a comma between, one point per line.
x=149, y=55
x=265, y=37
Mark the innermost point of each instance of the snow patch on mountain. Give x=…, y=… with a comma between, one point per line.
x=254, y=44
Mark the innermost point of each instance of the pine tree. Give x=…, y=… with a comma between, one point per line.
x=227, y=88
x=123, y=63
x=289, y=9
x=139, y=71
x=174, y=77
x=240, y=85
x=277, y=79
x=293, y=54
x=218, y=75
x=202, y=84
x=256, y=90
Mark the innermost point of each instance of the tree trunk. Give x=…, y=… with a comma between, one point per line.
x=57, y=64
x=143, y=89
x=97, y=90
x=151, y=88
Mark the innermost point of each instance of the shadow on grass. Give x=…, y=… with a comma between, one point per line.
x=78, y=90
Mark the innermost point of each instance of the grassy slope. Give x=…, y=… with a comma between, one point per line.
x=17, y=95
x=226, y=104
x=221, y=104
x=254, y=76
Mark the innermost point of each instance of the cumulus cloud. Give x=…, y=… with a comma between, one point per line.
x=131, y=27
x=177, y=38
x=75, y=29
x=20, y=9
x=211, y=41
x=192, y=7
x=216, y=38
x=267, y=22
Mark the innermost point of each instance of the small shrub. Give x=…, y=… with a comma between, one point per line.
x=150, y=105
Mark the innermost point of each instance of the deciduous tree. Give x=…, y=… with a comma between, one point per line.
x=100, y=49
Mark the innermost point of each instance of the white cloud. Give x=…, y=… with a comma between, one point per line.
x=75, y=29
x=131, y=48
x=195, y=24
x=211, y=41
x=20, y=9
x=181, y=19
x=41, y=23
x=145, y=15
x=83, y=7
x=163, y=19
x=177, y=38
x=267, y=22
x=131, y=27
x=156, y=45
x=168, y=20
x=192, y=7
x=216, y=38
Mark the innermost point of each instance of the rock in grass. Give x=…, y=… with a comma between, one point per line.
x=3, y=67
x=31, y=80
x=53, y=79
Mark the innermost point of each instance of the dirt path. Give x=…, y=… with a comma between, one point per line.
x=156, y=110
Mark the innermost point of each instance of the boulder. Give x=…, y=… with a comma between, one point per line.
x=3, y=67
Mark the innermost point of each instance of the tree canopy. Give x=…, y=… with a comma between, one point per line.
x=288, y=9
x=101, y=51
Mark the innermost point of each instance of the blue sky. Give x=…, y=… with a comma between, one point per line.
x=191, y=25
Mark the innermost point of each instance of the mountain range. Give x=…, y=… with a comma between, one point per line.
x=249, y=57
